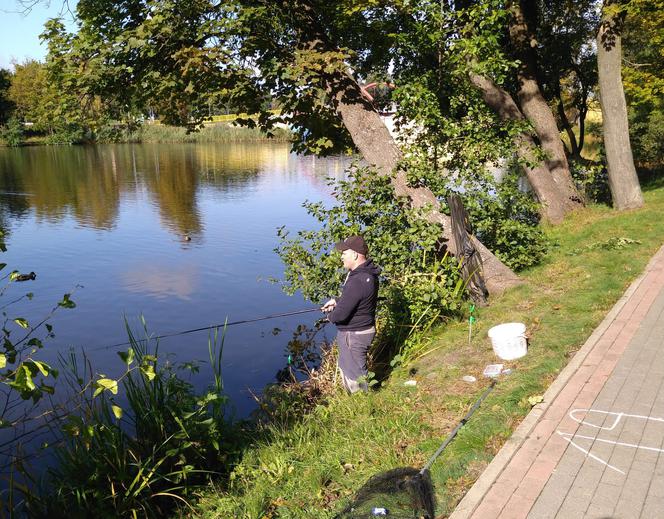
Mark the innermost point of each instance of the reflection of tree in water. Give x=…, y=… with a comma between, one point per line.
x=304, y=352
x=88, y=181
x=173, y=181
x=56, y=181
x=173, y=174
x=231, y=168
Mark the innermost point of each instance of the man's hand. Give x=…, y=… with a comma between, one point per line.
x=329, y=306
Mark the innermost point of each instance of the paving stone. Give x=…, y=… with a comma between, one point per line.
x=628, y=509
x=598, y=512
x=551, y=498
x=652, y=510
x=606, y=494
x=623, y=373
x=572, y=508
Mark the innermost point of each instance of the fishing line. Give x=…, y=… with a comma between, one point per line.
x=211, y=327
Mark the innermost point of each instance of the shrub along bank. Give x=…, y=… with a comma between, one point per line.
x=311, y=465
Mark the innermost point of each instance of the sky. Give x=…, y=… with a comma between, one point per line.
x=19, y=32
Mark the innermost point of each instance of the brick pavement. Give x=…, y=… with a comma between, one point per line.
x=595, y=447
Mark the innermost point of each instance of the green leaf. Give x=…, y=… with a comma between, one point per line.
x=106, y=384
x=535, y=399
x=43, y=368
x=23, y=381
x=117, y=411
x=21, y=322
x=3, y=360
x=127, y=356
x=148, y=371
x=67, y=302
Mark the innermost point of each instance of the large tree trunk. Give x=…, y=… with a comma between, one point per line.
x=377, y=146
x=544, y=185
x=535, y=107
x=623, y=181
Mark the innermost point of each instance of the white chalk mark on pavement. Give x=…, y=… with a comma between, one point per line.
x=571, y=437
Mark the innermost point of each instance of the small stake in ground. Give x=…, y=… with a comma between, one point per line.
x=471, y=320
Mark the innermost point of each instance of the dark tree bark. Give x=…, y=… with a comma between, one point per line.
x=534, y=106
x=472, y=262
x=547, y=191
x=623, y=181
x=564, y=121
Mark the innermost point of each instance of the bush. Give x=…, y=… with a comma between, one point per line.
x=505, y=219
x=592, y=179
x=143, y=461
x=647, y=135
x=420, y=284
x=67, y=134
x=12, y=133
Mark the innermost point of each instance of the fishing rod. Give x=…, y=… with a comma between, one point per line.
x=211, y=327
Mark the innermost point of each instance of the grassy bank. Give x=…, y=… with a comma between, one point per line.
x=217, y=132
x=311, y=467
x=222, y=131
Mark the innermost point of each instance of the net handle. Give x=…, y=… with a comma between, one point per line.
x=463, y=421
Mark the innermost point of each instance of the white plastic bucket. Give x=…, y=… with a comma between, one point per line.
x=509, y=340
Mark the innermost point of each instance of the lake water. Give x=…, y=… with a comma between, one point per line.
x=112, y=220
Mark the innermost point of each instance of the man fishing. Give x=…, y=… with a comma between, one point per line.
x=354, y=312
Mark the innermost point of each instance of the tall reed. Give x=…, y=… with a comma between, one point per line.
x=142, y=451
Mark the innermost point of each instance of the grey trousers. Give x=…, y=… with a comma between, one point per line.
x=353, y=347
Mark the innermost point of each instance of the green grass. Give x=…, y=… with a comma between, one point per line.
x=312, y=468
x=220, y=132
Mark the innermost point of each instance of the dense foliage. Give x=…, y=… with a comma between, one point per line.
x=421, y=283
x=138, y=446
x=643, y=78
x=415, y=272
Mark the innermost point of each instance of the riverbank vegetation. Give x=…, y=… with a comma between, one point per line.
x=311, y=465
x=481, y=92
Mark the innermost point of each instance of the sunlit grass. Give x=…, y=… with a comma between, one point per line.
x=211, y=133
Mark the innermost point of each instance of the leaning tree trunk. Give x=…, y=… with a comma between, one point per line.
x=536, y=109
x=377, y=146
x=623, y=181
x=546, y=189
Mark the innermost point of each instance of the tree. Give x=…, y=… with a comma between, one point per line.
x=534, y=106
x=6, y=105
x=567, y=62
x=28, y=90
x=623, y=181
x=39, y=101
x=643, y=78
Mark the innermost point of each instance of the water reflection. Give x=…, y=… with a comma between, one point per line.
x=88, y=182
x=160, y=281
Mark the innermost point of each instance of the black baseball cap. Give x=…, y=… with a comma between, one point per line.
x=354, y=243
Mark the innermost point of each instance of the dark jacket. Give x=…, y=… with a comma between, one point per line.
x=356, y=307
